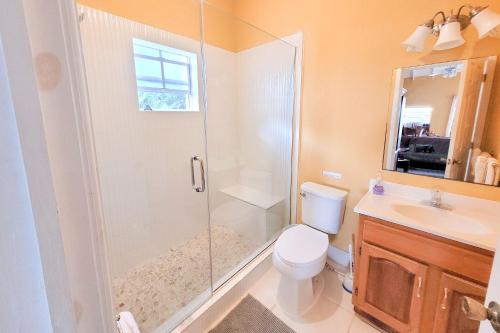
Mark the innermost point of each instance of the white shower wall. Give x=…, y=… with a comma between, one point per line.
x=148, y=205
x=265, y=111
x=261, y=128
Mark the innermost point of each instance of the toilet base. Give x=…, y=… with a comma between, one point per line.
x=297, y=297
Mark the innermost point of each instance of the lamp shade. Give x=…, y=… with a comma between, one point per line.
x=449, y=37
x=487, y=22
x=415, y=43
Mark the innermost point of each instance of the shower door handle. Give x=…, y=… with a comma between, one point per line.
x=202, y=171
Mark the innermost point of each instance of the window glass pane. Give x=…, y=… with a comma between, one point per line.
x=162, y=101
x=175, y=57
x=149, y=84
x=415, y=115
x=144, y=50
x=182, y=87
x=147, y=68
x=176, y=72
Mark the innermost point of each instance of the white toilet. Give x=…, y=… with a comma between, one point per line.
x=300, y=251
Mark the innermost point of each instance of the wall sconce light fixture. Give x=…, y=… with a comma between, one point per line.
x=448, y=30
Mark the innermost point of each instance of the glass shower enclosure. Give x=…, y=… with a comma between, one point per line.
x=192, y=125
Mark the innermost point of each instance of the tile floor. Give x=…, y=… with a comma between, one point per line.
x=333, y=313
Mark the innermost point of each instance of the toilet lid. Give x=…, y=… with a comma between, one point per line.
x=301, y=245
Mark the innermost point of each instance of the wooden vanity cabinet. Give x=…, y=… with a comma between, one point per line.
x=449, y=315
x=409, y=281
x=392, y=289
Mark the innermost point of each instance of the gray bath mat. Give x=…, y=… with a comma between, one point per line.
x=251, y=317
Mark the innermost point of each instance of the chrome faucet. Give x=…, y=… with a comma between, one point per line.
x=436, y=198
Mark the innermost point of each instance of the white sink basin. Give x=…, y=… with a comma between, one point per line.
x=463, y=219
x=443, y=218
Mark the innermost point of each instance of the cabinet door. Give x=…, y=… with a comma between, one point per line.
x=449, y=316
x=391, y=288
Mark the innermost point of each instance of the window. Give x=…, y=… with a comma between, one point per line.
x=416, y=115
x=167, y=78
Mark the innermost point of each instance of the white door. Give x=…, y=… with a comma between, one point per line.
x=482, y=111
x=394, y=126
x=461, y=134
x=493, y=293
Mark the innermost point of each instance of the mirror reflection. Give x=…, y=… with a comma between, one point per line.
x=445, y=121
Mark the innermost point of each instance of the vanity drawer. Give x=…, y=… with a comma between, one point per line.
x=467, y=261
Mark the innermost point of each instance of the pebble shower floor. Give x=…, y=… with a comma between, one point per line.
x=153, y=291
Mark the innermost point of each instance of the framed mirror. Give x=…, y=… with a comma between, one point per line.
x=444, y=121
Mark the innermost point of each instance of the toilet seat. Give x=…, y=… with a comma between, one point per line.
x=302, y=246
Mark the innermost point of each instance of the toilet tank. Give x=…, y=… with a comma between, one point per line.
x=323, y=207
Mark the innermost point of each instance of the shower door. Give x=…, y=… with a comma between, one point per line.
x=144, y=73
x=249, y=82
x=163, y=100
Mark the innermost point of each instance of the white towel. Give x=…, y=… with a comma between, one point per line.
x=480, y=168
x=127, y=323
x=496, y=181
x=491, y=171
x=475, y=153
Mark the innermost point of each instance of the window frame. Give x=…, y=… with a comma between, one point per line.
x=191, y=94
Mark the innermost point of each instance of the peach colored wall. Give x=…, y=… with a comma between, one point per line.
x=435, y=92
x=177, y=16
x=220, y=23
x=350, y=51
x=182, y=17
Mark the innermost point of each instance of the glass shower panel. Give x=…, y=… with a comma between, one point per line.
x=249, y=78
x=148, y=124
